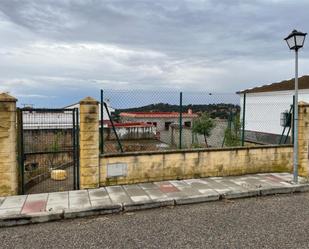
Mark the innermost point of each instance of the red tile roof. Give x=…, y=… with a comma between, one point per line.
x=128, y=124
x=157, y=115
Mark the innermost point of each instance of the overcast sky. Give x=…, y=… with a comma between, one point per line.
x=54, y=52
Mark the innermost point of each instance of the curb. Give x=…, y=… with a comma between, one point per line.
x=24, y=219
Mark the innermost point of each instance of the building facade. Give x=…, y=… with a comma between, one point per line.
x=161, y=120
x=265, y=105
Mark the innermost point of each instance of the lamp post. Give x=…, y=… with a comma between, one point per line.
x=295, y=41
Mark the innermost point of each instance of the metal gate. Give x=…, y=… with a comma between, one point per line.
x=48, y=147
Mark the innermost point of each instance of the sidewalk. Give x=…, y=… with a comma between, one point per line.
x=34, y=208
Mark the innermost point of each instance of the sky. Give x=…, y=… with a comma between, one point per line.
x=56, y=52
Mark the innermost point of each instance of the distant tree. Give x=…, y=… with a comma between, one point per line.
x=54, y=147
x=232, y=132
x=203, y=125
x=219, y=110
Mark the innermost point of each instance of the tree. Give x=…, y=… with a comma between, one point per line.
x=54, y=147
x=232, y=132
x=203, y=125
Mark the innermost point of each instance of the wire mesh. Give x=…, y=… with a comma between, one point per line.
x=265, y=121
x=150, y=120
x=48, y=146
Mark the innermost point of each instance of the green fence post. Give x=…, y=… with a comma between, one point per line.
x=243, y=121
x=102, y=124
x=180, y=121
x=113, y=126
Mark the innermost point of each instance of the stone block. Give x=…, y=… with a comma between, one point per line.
x=89, y=181
x=8, y=148
x=89, y=136
x=89, y=127
x=6, y=166
x=89, y=119
x=89, y=154
x=89, y=171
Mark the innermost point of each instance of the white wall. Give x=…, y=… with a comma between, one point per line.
x=263, y=109
x=160, y=121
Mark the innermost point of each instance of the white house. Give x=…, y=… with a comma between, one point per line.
x=40, y=119
x=161, y=120
x=264, y=105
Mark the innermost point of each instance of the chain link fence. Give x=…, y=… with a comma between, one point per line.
x=138, y=120
x=154, y=120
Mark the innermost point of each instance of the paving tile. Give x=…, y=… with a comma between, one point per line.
x=131, y=186
x=114, y=189
x=134, y=190
x=238, y=190
x=274, y=178
x=14, y=202
x=57, y=201
x=37, y=197
x=284, y=176
x=61, y=197
x=213, y=184
x=201, y=186
x=55, y=206
x=155, y=194
x=140, y=198
x=167, y=187
x=118, y=195
x=101, y=202
x=256, y=182
x=229, y=182
x=79, y=202
x=34, y=206
x=270, y=181
x=208, y=192
x=177, y=195
x=10, y=211
x=148, y=186
x=189, y=191
x=78, y=193
x=95, y=194
x=179, y=183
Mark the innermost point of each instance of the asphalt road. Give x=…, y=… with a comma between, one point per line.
x=264, y=222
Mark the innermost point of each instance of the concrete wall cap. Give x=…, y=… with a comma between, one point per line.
x=89, y=100
x=4, y=97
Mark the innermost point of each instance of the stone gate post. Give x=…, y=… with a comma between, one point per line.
x=303, y=138
x=89, y=143
x=8, y=146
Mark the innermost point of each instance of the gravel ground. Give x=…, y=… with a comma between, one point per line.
x=264, y=222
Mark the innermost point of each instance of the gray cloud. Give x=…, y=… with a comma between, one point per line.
x=66, y=46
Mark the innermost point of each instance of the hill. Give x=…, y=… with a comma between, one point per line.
x=220, y=110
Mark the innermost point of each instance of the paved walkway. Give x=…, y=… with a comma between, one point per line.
x=33, y=208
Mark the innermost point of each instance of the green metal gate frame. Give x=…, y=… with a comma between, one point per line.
x=75, y=144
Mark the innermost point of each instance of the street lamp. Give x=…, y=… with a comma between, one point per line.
x=295, y=41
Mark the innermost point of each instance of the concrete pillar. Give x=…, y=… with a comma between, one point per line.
x=89, y=143
x=8, y=146
x=303, y=138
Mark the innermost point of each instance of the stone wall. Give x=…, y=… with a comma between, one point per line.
x=134, y=167
x=8, y=146
x=156, y=166
x=303, y=139
x=89, y=143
